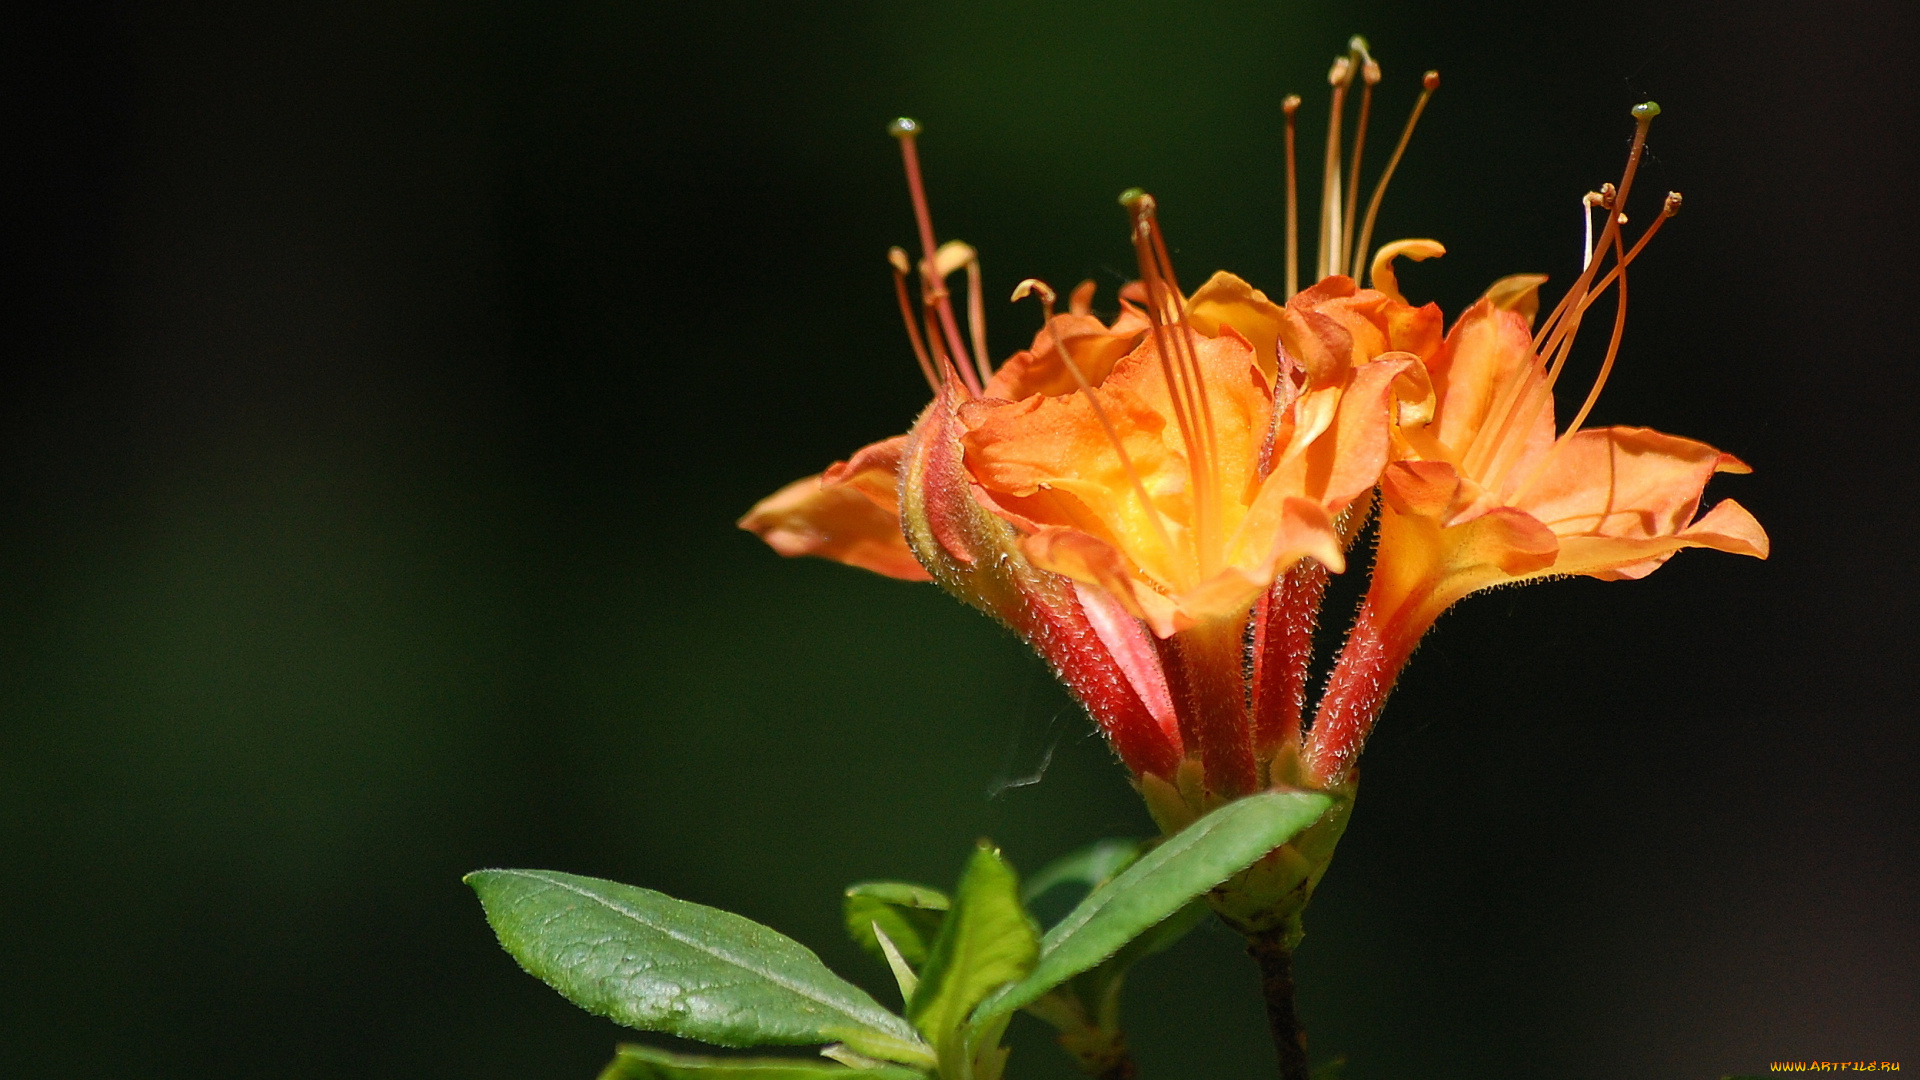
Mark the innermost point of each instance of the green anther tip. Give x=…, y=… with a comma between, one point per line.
x=1646, y=110
x=1130, y=196
x=903, y=126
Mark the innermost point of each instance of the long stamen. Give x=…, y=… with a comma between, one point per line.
x=1428, y=84
x=1290, y=106
x=1209, y=513
x=1047, y=297
x=1340, y=77
x=933, y=291
x=1179, y=367
x=1643, y=115
x=1670, y=208
x=1369, y=77
x=1565, y=320
x=897, y=259
x=1572, y=305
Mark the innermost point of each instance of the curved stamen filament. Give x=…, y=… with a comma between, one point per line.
x=1643, y=115
x=1138, y=484
x=1555, y=340
x=897, y=259
x=1667, y=210
x=1428, y=84
x=1613, y=343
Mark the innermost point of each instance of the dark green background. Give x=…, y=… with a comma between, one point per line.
x=385, y=379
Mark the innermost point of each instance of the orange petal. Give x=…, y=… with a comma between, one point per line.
x=839, y=521
x=1507, y=538
x=1486, y=363
x=1226, y=300
x=1727, y=527
x=1420, y=488
x=1382, y=274
x=1623, y=482
x=1093, y=347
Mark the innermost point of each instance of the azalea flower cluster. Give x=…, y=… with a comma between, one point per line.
x=1154, y=503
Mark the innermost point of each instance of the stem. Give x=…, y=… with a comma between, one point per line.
x=1269, y=950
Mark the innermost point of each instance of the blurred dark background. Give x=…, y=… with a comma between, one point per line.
x=383, y=381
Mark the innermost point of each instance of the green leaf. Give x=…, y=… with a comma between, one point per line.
x=1163, y=881
x=1088, y=868
x=633, y=1062
x=987, y=942
x=648, y=961
x=910, y=916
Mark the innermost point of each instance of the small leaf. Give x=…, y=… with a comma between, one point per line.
x=1088, y=868
x=902, y=972
x=910, y=914
x=634, y=1062
x=1163, y=881
x=987, y=942
x=648, y=961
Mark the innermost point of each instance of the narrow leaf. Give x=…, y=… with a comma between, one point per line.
x=648, y=961
x=910, y=914
x=987, y=942
x=645, y=1063
x=902, y=973
x=1163, y=881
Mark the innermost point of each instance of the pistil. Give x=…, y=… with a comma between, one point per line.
x=933, y=290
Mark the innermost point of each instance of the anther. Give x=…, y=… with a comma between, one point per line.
x=1034, y=286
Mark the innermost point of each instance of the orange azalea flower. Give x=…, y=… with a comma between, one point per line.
x=1488, y=492
x=1126, y=496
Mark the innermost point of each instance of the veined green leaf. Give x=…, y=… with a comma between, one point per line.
x=910, y=915
x=648, y=961
x=634, y=1062
x=1163, y=881
x=987, y=942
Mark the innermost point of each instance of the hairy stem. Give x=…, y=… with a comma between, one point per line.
x=1269, y=950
